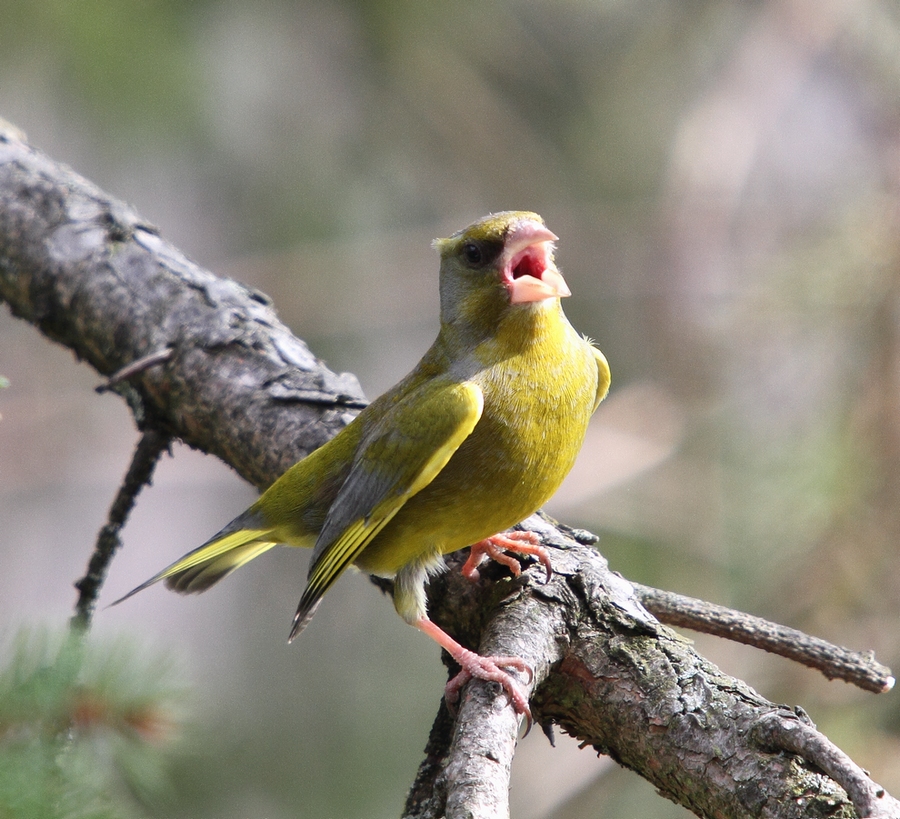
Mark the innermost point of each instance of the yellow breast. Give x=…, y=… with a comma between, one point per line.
x=538, y=398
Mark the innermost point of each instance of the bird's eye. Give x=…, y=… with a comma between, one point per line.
x=472, y=253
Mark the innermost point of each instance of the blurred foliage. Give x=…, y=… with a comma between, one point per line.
x=723, y=176
x=83, y=727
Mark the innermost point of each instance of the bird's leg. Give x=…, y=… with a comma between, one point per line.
x=523, y=543
x=483, y=668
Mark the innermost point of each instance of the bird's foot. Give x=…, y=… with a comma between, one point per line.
x=522, y=543
x=482, y=668
x=489, y=669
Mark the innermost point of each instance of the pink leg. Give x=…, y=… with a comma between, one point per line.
x=484, y=668
x=523, y=543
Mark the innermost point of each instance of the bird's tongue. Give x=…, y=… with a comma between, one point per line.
x=532, y=276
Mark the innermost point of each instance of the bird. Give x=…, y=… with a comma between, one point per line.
x=475, y=439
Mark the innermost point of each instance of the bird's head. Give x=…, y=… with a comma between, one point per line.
x=500, y=262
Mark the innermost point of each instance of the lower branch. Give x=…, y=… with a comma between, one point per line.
x=608, y=673
x=800, y=737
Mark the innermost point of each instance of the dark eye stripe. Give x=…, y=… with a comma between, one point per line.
x=477, y=253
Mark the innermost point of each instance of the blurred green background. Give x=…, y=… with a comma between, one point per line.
x=723, y=175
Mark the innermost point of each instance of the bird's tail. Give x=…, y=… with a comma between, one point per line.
x=237, y=544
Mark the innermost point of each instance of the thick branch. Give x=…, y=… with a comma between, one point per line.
x=206, y=360
x=229, y=377
x=609, y=674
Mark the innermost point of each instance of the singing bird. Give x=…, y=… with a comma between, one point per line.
x=476, y=438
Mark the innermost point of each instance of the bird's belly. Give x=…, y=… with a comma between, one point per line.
x=495, y=479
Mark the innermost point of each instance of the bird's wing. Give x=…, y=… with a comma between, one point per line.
x=399, y=457
x=603, y=377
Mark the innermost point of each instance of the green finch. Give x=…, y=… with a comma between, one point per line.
x=476, y=438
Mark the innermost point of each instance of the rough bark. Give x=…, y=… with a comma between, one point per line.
x=92, y=275
x=227, y=377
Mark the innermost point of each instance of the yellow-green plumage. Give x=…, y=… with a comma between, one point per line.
x=476, y=438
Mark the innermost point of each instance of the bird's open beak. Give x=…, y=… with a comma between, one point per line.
x=528, y=268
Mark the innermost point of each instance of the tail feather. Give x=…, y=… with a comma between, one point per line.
x=209, y=563
x=200, y=576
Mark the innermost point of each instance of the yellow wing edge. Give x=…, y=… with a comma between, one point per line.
x=603, y=375
x=360, y=533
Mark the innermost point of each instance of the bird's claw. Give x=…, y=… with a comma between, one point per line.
x=489, y=669
x=523, y=543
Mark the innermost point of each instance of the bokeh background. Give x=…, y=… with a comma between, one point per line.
x=723, y=175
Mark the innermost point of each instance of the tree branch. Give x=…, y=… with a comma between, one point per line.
x=608, y=673
x=206, y=360
x=146, y=455
x=835, y=662
x=92, y=275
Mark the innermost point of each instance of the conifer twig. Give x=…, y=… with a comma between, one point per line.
x=146, y=455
